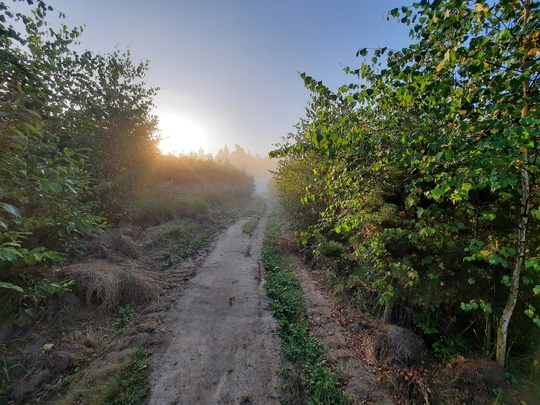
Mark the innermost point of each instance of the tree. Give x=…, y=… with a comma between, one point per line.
x=75, y=130
x=431, y=162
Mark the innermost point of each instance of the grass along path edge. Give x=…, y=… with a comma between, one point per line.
x=311, y=380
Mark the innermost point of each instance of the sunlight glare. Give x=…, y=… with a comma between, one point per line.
x=180, y=135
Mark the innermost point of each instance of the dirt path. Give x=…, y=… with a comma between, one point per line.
x=333, y=328
x=220, y=341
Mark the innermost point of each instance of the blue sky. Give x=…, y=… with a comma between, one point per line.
x=231, y=67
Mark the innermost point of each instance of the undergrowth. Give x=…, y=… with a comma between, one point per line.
x=256, y=211
x=131, y=385
x=317, y=383
x=123, y=383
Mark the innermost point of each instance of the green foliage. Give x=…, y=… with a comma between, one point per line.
x=330, y=249
x=131, y=384
x=125, y=313
x=250, y=225
x=76, y=141
x=21, y=301
x=288, y=307
x=426, y=166
x=293, y=177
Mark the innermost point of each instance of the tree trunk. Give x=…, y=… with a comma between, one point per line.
x=502, y=331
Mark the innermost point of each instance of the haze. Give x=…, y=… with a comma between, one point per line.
x=230, y=69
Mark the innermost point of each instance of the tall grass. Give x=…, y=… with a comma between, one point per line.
x=169, y=201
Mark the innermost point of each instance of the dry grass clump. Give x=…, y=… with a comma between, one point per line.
x=476, y=372
x=114, y=245
x=393, y=345
x=111, y=285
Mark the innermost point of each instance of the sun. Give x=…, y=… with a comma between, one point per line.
x=180, y=136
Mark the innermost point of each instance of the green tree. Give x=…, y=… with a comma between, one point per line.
x=76, y=140
x=431, y=161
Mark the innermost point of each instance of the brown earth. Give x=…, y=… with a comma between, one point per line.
x=220, y=341
x=330, y=325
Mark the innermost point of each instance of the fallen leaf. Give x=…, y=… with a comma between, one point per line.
x=48, y=346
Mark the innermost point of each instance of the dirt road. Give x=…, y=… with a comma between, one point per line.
x=221, y=345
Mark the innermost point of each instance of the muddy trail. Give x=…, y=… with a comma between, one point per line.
x=220, y=343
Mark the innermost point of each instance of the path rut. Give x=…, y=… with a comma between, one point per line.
x=221, y=343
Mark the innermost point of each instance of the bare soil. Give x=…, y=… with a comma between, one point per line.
x=220, y=344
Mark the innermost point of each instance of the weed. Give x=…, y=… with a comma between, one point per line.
x=250, y=226
x=330, y=249
x=125, y=383
x=498, y=393
x=131, y=384
x=6, y=377
x=193, y=247
x=317, y=380
x=125, y=313
x=177, y=240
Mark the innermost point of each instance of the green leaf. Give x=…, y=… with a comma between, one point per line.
x=536, y=289
x=506, y=281
x=11, y=286
x=436, y=193
x=469, y=307
x=9, y=254
x=362, y=52
x=11, y=209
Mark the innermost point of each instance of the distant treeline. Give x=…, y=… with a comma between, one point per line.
x=260, y=167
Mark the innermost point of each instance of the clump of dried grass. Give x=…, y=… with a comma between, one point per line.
x=115, y=245
x=393, y=345
x=111, y=285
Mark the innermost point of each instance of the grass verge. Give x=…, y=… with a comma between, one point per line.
x=124, y=383
x=311, y=381
x=257, y=209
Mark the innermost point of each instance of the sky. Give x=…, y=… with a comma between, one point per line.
x=228, y=70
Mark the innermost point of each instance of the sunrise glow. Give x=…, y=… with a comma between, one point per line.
x=180, y=135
